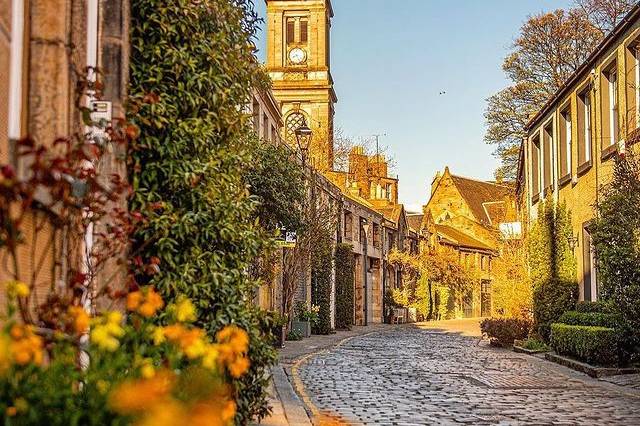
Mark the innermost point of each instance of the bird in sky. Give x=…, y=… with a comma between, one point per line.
x=443, y=93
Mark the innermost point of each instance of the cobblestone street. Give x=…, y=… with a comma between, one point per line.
x=409, y=375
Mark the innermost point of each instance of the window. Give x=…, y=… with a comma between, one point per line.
x=348, y=226
x=265, y=126
x=256, y=116
x=609, y=99
x=589, y=274
x=376, y=235
x=613, y=102
x=631, y=115
x=584, y=128
x=304, y=31
x=565, y=143
x=294, y=121
x=547, y=151
x=388, y=191
x=535, y=165
x=291, y=31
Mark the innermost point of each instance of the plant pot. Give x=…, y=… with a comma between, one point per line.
x=280, y=336
x=303, y=327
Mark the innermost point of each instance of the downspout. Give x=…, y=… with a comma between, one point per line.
x=15, y=71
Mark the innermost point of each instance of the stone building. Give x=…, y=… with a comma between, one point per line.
x=45, y=47
x=299, y=64
x=470, y=217
x=568, y=152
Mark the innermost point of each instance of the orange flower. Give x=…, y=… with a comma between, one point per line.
x=239, y=366
x=25, y=346
x=237, y=338
x=145, y=302
x=80, y=319
x=136, y=396
x=216, y=412
x=11, y=411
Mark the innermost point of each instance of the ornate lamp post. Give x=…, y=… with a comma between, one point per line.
x=303, y=138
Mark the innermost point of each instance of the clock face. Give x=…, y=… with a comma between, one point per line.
x=297, y=56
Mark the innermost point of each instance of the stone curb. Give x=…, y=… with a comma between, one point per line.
x=590, y=370
x=294, y=409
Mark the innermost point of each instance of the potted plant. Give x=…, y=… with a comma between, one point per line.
x=278, y=328
x=304, y=317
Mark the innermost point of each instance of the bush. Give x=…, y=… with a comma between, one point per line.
x=192, y=66
x=597, y=345
x=344, y=269
x=550, y=300
x=616, y=237
x=294, y=335
x=594, y=319
x=321, y=271
x=503, y=331
x=534, y=345
x=597, y=307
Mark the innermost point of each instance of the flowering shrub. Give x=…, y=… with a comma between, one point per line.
x=304, y=313
x=130, y=370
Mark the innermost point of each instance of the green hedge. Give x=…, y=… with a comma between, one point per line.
x=503, y=331
x=345, y=270
x=550, y=300
x=595, y=345
x=594, y=319
x=597, y=307
x=321, y=284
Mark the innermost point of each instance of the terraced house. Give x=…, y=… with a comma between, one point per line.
x=568, y=151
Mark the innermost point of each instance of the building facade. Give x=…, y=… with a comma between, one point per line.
x=46, y=48
x=469, y=218
x=568, y=152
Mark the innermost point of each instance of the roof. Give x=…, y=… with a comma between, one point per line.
x=609, y=40
x=392, y=213
x=461, y=239
x=478, y=194
x=415, y=221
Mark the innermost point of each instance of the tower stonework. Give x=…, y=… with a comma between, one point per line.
x=298, y=62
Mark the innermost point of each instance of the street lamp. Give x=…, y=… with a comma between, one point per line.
x=303, y=138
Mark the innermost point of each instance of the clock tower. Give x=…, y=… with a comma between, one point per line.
x=298, y=62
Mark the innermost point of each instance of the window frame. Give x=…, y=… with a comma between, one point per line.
x=565, y=145
x=584, y=144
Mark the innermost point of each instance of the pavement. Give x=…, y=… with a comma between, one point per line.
x=437, y=373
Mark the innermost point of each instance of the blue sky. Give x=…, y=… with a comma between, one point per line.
x=392, y=58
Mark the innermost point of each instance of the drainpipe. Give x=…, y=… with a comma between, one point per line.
x=15, y=70
x=364, y=270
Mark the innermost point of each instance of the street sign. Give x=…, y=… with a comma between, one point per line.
x=287, y=239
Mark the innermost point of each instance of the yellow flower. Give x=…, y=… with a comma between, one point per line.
x=105, y=334
x=147, y=371
x=235, y=337
x=5, y=354
x=103, y=386
x=21, y=405
x=185, y=311
x=158, y=335
x=17, y=289
x=167, y=413
x=210, y=360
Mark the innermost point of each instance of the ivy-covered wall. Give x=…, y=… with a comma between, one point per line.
x=321, y=271
x=344, y=270
x=192, y=65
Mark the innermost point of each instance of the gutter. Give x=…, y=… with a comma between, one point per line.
x=585, y=67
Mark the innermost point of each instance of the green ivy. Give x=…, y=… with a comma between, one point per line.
x=344, y=270
x=321, y=270
x=552, y=265
x=192, y=66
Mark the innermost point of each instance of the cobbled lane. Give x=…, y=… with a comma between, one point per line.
x=411, y=376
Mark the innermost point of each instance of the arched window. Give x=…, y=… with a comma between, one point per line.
x=294, y=121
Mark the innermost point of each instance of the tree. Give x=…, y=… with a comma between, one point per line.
x=511, y=285
x=549, y=48
x=616, y=237
x=605, y=14
x=343, y=145
x=439, y=267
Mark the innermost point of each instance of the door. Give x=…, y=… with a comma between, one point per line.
x=485, y=298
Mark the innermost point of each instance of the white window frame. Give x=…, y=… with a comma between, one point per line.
x=613, y=107
x=587, y=127
x=568, y=141
x=636, y=57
